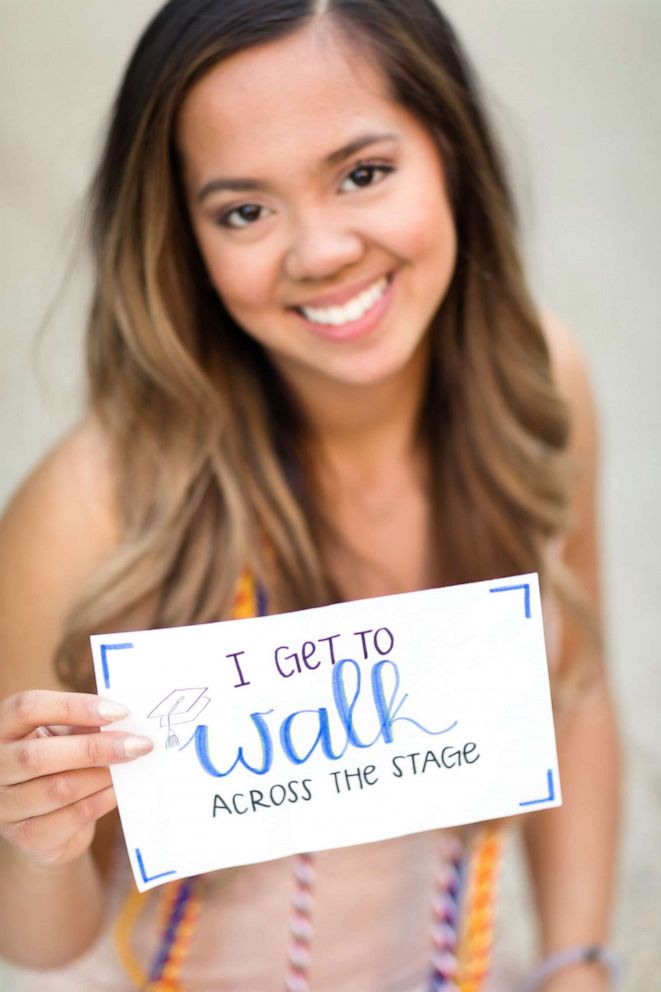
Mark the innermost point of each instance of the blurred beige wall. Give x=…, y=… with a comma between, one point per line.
x=60, y=62
x=574, y=86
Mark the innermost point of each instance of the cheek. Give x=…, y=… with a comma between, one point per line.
x=432, y=232
x=241, y=274
x=422, y=231
x=242, y=282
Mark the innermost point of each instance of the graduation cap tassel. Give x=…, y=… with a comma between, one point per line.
x=179, y=706
x=172, y=740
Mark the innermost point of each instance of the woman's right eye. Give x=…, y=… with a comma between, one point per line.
x=240, y=217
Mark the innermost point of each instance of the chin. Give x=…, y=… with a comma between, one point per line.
x=376, y=370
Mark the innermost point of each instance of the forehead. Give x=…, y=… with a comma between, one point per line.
x=288, y=99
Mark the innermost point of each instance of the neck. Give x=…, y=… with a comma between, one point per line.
x=364, y=432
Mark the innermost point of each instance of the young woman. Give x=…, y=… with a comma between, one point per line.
x=315, y=369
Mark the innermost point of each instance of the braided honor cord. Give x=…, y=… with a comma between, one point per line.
x=448, y=883
x=166, y=970
x=300, y=926
x=477, y=936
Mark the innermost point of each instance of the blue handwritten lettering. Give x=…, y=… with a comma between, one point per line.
x=344, y=708
x=201, y=738
x=323, y=737
x=387, y=707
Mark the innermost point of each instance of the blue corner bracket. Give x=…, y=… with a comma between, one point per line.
x=145, y=877
x=547, y=799
x=525, y=587
x=105, y=648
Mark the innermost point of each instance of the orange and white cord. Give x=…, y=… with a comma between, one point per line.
x=479, y=911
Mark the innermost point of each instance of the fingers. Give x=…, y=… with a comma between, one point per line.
x=22, y=713
x=46, y=839
x=54, y=779
x=32, y=759
x=52, y=792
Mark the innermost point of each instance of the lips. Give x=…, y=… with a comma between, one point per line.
x=353, y=310
x=366, y=303
x=346, y=305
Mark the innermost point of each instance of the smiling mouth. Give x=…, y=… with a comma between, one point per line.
x=352, y=310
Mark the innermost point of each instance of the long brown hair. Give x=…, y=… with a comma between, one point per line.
x=206, y=439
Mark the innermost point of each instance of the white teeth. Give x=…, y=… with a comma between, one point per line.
x=353, y=310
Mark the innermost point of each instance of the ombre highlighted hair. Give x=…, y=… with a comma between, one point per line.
x=210, y=450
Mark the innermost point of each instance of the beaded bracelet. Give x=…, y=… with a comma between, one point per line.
x=586, y=954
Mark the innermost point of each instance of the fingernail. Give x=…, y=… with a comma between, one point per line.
x=133, y=746
x=111, y=711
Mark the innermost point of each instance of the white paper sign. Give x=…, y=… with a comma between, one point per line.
x=330, y=727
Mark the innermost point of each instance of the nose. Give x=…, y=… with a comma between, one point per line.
x=320, y=246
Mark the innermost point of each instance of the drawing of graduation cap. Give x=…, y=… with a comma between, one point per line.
x=179, y=706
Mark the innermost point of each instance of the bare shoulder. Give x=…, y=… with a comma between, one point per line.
x=59, y=526
x=68, y=495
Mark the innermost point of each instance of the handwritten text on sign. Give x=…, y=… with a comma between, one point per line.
x=329, y=727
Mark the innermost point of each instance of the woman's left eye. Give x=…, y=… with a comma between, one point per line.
x=365, y=174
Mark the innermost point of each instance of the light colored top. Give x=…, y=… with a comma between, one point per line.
x=371, y=917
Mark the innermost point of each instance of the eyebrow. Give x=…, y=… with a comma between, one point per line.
x=335, y=158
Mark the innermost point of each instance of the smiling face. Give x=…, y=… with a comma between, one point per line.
x=319, y=206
